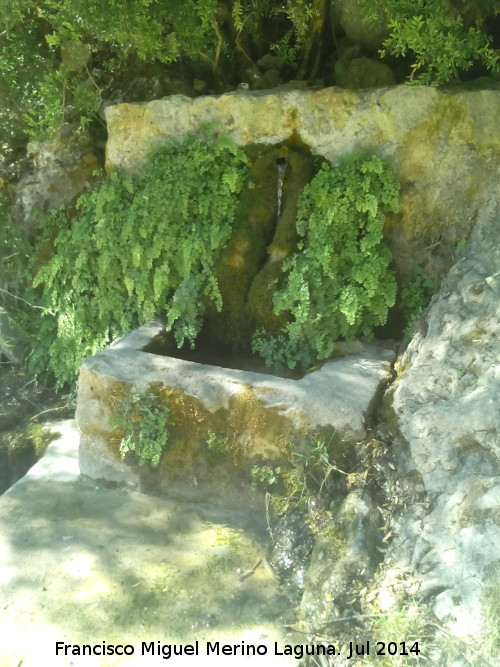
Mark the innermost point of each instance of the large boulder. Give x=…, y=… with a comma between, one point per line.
x=444, y=407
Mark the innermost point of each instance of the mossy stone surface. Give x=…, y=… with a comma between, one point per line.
x=264, y=236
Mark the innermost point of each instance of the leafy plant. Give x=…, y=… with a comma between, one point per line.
x=316, y=465
x=60, y=58
x=45, y=88
x=460, y=249
x=442, y=40
x=300, y=14
x=217, y=445
x=265, y=475
x=140, y=246
x=338, y=284
x=142, y=420
x=17, y=297
x=14, y=251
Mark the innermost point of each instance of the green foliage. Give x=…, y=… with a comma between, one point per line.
x=42, y=85
x=17, y=297
x=415, y=296
x=283, y=26
x=14, y=251
x=217, y=445
x=61, y=96
x=339, y=284
x=46, y=78
x=23, y=63
x=460, y=249
x=141, y=245
x=142, y=419
x=300, y=15
x=265, y=476
x=442, y=40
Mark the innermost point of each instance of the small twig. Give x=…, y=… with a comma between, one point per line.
x=20, y=298
x=269, y=529
x=251, y=571
x=62, y=407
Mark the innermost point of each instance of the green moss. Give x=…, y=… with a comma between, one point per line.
x=387, y=412
x=188, y=425
x=245, y=252
x=260, y=298
x=430, y=222
x=261, y=240
x=298, y=170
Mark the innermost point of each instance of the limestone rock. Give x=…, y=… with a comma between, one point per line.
x=61, y=169
x=445, y=404
x=444, y=145
x=344, y=554
x=254, y=414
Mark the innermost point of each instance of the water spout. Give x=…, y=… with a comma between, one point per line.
x=281, y=167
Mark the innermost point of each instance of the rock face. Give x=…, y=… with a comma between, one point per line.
x=256, y=416
x=344, y=555
x=444, y=146
x=445, y=410
x=61, y=170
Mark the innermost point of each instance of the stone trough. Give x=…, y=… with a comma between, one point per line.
x=221, y=422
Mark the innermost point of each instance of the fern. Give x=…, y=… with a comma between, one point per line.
x=339, y=284
x=141, y=246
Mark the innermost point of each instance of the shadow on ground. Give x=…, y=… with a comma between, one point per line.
x=83, y=563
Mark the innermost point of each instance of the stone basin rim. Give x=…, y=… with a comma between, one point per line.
x=135, y=341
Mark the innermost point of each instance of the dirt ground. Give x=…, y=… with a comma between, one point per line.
x=85, y=563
